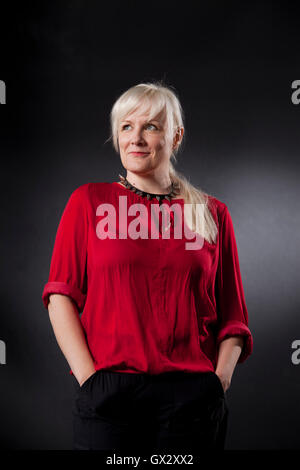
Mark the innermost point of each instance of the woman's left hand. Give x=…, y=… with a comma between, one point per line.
x=225, y=380
x=229, y=352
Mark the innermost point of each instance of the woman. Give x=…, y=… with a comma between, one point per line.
x=164, y=319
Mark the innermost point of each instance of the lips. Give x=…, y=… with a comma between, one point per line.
x=139, y=153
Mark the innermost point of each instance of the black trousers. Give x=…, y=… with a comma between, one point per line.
x=170, y=412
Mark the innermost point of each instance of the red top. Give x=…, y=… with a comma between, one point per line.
x=150, y=305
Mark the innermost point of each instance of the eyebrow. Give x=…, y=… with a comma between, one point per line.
x=151, y=120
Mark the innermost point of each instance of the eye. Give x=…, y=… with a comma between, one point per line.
x=147, y=125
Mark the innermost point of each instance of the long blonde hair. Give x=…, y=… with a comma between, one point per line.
x=161, y=97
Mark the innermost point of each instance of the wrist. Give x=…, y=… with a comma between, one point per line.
x=224, y=372
x=82, y=378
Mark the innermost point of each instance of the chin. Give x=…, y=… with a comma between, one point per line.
x=138, y=165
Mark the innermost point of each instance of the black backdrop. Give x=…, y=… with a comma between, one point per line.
x=233, y=64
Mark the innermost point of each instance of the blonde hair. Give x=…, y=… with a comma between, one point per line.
x=159, y=97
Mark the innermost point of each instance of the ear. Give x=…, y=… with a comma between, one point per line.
x=178, y=137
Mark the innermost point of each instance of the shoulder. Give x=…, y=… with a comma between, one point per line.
x=216, y=206
x=87, y=190
x=88, y=196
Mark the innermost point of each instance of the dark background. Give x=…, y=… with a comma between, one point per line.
x=232, y=64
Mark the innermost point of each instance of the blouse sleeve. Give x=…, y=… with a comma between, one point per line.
x=231, y=305
x=68, y=263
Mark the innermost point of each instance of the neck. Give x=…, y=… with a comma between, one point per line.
x=160, y=184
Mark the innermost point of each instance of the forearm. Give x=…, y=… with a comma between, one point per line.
x=70, y=336
x=228, y=355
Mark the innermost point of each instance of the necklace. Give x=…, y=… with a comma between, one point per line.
x=174, y=191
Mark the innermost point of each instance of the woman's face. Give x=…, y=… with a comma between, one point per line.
x=143, y=144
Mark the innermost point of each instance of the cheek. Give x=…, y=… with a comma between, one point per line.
x=163, y=145
x=160, y=143
x=122, y=141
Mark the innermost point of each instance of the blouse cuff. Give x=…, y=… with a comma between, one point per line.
x=65, y=289
x=235, y=328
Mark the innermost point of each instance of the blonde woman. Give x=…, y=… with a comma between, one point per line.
x=164, y=320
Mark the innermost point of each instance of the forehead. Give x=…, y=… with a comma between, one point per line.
x=139, y=116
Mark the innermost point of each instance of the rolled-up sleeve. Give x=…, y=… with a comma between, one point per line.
x=230, y=298
x=68, y=263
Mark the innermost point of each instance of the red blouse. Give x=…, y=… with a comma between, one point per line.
x=150, y=305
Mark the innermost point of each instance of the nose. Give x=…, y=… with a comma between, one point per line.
x=137, y=136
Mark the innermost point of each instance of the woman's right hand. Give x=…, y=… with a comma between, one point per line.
x=71, y=337
x=86, y=378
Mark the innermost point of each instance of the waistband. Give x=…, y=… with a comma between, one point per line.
x=156, y=377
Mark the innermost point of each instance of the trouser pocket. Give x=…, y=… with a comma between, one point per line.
x=105, y=397
x=196, y=418
x=218, y=382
